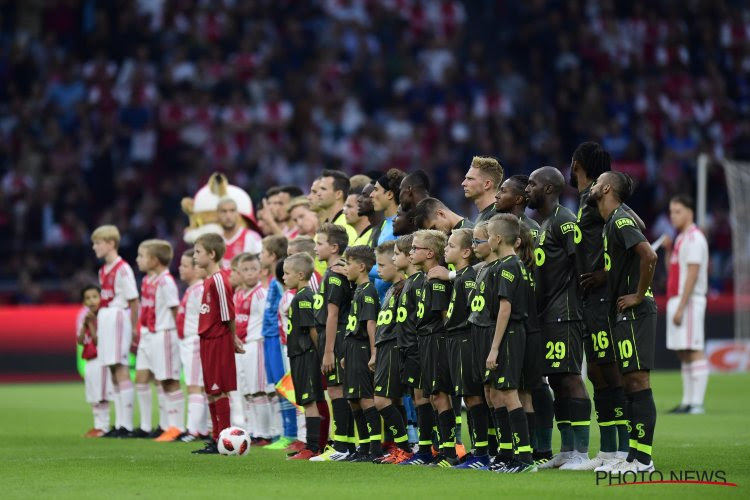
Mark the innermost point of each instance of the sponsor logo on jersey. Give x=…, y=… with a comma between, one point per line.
x=625, y=221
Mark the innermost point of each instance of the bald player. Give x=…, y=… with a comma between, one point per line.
x=629, y=262
x=481, y=183
x=560, y=315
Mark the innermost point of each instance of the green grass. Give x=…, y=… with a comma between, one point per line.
x=42, y=455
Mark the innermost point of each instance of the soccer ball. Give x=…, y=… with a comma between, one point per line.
x=234, y=441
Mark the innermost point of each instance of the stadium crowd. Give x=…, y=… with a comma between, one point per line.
x=114, y=111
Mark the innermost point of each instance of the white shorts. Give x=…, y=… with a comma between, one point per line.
x=251, y=369
x=115, y=334
x=159, y=352
x=190, y=356
x=690, y=335
x=98, y=381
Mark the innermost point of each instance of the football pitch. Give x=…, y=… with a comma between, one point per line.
x=42, y=455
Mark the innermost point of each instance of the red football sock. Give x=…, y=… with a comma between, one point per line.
x=214, y=421
x=325, y=422
x=223, y=416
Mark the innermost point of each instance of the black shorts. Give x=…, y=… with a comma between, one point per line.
x=388, y=371
x=597, y=340
x=433, y=361
x=461, y=361
x=481, y=338
x=411, y=373
x=562, y=347
x=634, y=343
x=531, y=375
x=510, y=358
x=358, y=379
x=306, y=378
x=336, y=377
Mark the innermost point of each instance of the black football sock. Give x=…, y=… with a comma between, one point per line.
x=479, y=417
x=619, y=404
x=393, y=421
x=425, y=422
x=605, y=417
x=543, y=407
x=580, y=423
x=435, y=430
x=447, y=424
x=341, y=412
x=562, y=416
x=631, y=417
x=470, y=427
x=364, y=437
x=456, y=402
x=351, y=437
x=492, y=443
x=531, y=423
x=313, y=433
x=505, y=438
x=644, y=424
x=520, y=431
x=373, y=429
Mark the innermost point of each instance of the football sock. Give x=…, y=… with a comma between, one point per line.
x=687, y=383
x=394, y=421
x=447, y=425
x=118, y=405
x=562, y=415
x=435, y=430
x=374, y=430
x=340, y=424
x=402, y=410
x=470, y=424
x=325, y=422
x=162, y=401
x=196, y=414
x=302, y=429
x=699, y=379
x=605, y=416
x=505, y=438
x=313, y=433
x=101, y=415
x=531, y=424
x=144, y=405
x=456, y=404
x=223, y=415
x=237, y=410
x=580, y=423
x=176, y=400
x=642, y=422
x=251, y=416
x=263, y=411
x=274, y=426
x=127, y=399
x=619, y=404
x=519, y=429
x=351, y=435
x=479, y=418
x=288, y=418
x=214, y=422
x=425, y=419
x=492, y=444
x=363, y=436
x=544, y=409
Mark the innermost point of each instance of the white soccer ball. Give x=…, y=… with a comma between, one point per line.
x=234, y=441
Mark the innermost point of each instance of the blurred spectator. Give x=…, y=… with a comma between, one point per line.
x=112, y=111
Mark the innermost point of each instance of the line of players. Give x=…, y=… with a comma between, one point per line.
x=484, y=331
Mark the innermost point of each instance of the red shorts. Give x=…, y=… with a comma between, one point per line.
x=217, y=358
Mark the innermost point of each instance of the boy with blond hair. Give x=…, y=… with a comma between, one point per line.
x=119, y=298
